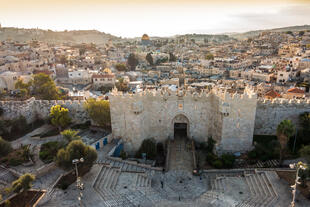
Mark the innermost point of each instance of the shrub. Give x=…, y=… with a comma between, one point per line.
x=210, y=144
x=148, y=146
x=48, y=151
x=70, y=135
x=123, y=155
x=228, y=160
x=305, y=152
x=252, y=154
x=15, y=161
x=217, y=164
x=211, y=157
x=75, y=150
x=266, y=148
x=5, y=147
x=19, y=125
x=23, y=183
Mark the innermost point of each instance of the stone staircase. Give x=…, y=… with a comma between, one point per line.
x=262, y=192
x=105, y=184
x=142, y=180
x=124, y=166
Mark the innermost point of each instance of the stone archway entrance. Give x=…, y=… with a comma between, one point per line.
x=180, y=126
x=180, y=156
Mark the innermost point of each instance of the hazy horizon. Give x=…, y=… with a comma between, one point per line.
x=155, y=18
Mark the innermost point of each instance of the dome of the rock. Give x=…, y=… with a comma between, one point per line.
x=145, y=37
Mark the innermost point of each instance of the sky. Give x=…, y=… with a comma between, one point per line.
x=154, y=17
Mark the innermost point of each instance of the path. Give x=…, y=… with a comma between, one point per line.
x=180, y=155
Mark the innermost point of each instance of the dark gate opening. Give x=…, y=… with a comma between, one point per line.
x=180, y=129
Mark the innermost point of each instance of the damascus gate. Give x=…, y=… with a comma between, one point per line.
x=162, y=114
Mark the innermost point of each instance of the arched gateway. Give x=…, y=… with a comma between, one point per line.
x=180, y=125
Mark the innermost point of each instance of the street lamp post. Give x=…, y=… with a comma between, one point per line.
x=79, y=183
x=298, y=166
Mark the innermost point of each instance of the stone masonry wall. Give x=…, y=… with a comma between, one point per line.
x=152, y=114
x=270, y=113
x=32, y=109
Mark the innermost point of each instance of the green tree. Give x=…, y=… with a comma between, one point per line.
x=305, y=121
x=121, y=85
x=44, y=87
x=99, y=112
x=23, y=86
x=5, y=147
x=209, y=56
x=210, y=145
x=301, y=33
x=60, y=116
x=305, y=152
x=23, y=183
x=48, y=150
x=284, y=131
x=132, y=61
x=289, y=32
x=120, y=67
x=70, y=135
x=76, y=150
x=149, y=58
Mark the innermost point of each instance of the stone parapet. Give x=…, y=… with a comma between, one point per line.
x=32, y=109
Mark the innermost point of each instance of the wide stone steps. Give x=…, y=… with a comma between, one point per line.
x=124, y=166
x=261, y=190
x=105, y=185
x=218, y=184
x=142, y=180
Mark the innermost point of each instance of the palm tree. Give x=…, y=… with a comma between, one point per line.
x=284, y=131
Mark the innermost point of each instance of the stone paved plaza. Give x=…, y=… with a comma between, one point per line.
x=122, y=184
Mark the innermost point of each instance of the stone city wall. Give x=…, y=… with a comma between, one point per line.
x=270, y=113
x=32, y=109
x=229, y=119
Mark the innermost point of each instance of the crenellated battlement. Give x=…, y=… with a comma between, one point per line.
x=166, y=94
x=284, y=102
x=32, y=108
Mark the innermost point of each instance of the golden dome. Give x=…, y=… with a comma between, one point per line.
x=145, y=37
x=107, y=70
